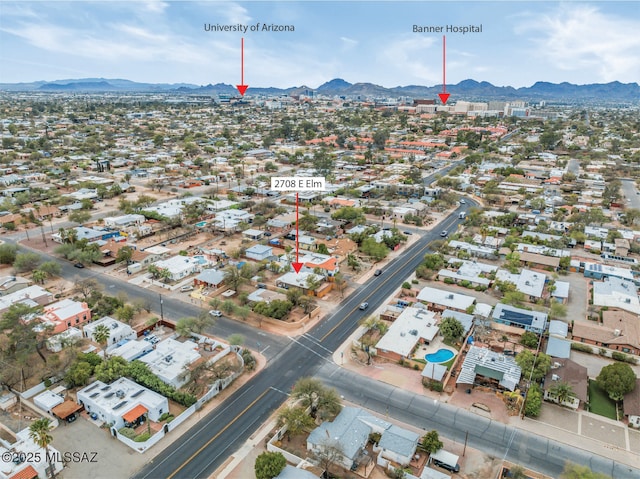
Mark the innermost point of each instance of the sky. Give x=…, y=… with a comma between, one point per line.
x=162, y=41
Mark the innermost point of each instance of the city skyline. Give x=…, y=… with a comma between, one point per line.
x=166, y=42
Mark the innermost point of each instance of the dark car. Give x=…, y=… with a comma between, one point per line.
x=79, y=265
x=267, y=234
x=378, y=272
x=408, y=233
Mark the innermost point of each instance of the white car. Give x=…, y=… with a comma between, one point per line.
x=215, y=313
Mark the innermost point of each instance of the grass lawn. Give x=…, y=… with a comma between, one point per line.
x=599, y=402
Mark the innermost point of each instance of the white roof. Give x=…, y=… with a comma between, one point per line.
x=48, y=400
x=445, y=298
x=616, y=293
x=562, y=289
x=107, y=321
x=159, y=250
x=177, y=264
x=21, y=295
x=407, y=329
x=130, y=350
x=66, y=308
x=107, y=397
x=298, y=279
x=170, y=357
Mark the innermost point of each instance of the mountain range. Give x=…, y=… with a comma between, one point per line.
x=466, y=89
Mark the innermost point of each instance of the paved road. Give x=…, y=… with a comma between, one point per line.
x=207, y=445
x=491, y=437
x=630, y=191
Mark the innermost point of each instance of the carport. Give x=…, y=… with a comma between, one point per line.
x=66, y=409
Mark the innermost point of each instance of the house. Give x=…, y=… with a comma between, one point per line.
x=259, y=252
x=571, y=373
x=38, y=465
x=66, y=338
x=438, y=300
x=319, y=263
x=297, y=280
x=349, y=433
x=561, y=292
x=414, y=325
x=631, y=405
x=11, y=284
x=521, y=318
x=616, y=293
x=471, y=271
x=64, y=314
x=130, y=350
x=539, y=260
x=253, y=234
x=494, y=368
x=179, y=267
x=621, y=247
x=620, y=331
x=291, y=472
x=557, y=344
x=603, y=271
x=34, y=296
x=209, y=278
x=171, y=359
x=47, y=400
x=473, y=250
x=530, y=283
x=123, y=402
x=118, y=331
x=124, y=221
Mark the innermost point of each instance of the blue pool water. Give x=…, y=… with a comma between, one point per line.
x=200, y=259
x=201, y=224
x=440, y=356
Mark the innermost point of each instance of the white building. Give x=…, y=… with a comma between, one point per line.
x=413, y=325
x=47, y=400
x=442, y=300
x=170, y=360
x=57, y=342
x=530, y=283
x=37, y=466
x=124, y=221
x=179, y=267
x=121, y=398
x=130, y=350
x=616, y=293
x=117, y=330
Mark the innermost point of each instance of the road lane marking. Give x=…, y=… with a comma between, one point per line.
x=182, y=466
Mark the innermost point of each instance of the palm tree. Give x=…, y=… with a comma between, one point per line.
x=312, y=393
x=101, y=336
x=39, y=276
x=39, y=433
x=562, y=391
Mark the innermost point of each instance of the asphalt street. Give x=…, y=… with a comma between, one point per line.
x=491, y=437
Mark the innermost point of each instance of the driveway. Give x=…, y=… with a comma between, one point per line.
x=578, y=290
x=595, y=363
x=111, y=458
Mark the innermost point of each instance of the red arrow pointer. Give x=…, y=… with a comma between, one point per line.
x=242, y=88
x=444, y=96
x=297, y=265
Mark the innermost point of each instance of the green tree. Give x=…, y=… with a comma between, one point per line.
x=322, y=249
x=575, y=471
x=79, y=216
x=111, y=369
x=233, y=278
x=533, y=403
x=26, y=262
x=377, y=251
x=39, y=277
x=8, y=253
x=124, y=254
x=562, y=391
x=431, y=442
x=451, y=329
x=125, y=313
x=312, y=393
x=40, y=433
x=52, y=268
x=78, y=374
x=617, y=379
x=296, y=419
x=557, y=310
x=349, y=214
x=269, y=464
x=323, y=163
x=529, y=339
x=101, y=335
x=528, y=362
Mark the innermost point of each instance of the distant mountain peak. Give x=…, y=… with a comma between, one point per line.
x=335, y=84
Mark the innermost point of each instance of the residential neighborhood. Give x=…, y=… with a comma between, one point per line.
x=480, y=255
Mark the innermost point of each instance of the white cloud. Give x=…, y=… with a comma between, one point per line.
x=155, y=6
x=412, y=58
x=349, y=42
x=235, y=13
x=579, y=37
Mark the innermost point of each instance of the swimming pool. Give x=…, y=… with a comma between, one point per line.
x=440, y=356
x=201, y=224
x=200, y=259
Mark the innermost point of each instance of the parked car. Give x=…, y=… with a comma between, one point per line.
x=79, y=265
x=378, y=272
x=364, y=306
x=444, y=233
x=186, y=288
x=215, y=313
x=463, y=202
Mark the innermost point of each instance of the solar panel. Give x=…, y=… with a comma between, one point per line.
x=94, y=395
x=108, y=395
x=119, y=405
x=136, y=394
x=91, y=388
x=106, y=388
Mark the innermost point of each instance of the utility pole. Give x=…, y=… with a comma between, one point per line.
x=161, y=308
